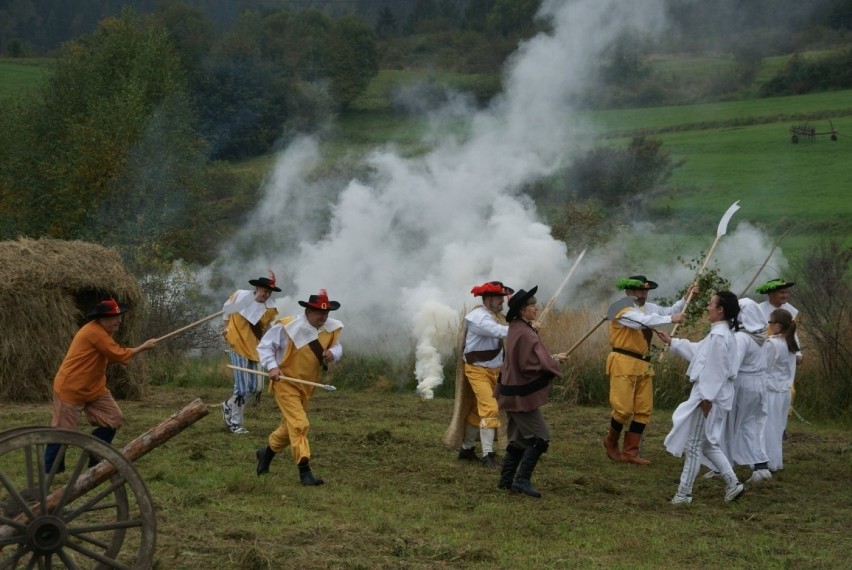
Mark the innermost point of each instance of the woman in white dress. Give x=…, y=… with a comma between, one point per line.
x=781, y=349
x=698, y=423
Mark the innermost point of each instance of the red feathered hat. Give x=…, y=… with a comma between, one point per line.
x=320, y=302
x=491, y=288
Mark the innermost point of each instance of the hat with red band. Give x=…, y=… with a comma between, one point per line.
x=107, y=308
x=320, y=302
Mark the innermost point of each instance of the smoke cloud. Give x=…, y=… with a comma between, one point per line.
x=401, y=244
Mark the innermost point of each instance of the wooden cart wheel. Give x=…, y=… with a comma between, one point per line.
x=86, y=525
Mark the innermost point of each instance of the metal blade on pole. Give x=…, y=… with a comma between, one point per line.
x=721, y=230
x=552, y=300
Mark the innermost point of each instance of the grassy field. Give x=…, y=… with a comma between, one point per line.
x=19, y=75
x=395, y=497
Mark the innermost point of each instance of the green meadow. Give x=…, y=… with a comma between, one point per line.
x=17, y=76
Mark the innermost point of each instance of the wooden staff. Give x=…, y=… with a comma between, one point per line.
x=720, y=231
x=762, y=267
x=585, y=336
x=228, y=310
x=552, y=300
x=328, y=387
x=96, y=475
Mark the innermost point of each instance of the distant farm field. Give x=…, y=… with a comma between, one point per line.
x=20, y=75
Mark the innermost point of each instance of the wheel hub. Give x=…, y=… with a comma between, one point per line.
x=46, y=534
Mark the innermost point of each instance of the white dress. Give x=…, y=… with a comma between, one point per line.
x=744, y=429
x=780, y=369
x=711, y=371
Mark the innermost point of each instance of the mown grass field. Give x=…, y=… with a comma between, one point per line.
x=20, y=75
x=395, y=497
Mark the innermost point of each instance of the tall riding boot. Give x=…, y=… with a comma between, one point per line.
x=264, y=458
x=50, y=453
x=610, y=441
x=630, y=454
x=306, y=476
x=529, y=460
x=510, y=465
x=104, y=434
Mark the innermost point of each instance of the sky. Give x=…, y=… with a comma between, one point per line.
x=401, y=246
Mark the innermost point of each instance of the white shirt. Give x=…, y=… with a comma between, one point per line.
x=484, y=333
x=649, y=315
x=273, y=345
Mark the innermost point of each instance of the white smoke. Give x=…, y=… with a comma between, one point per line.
x=401, y=244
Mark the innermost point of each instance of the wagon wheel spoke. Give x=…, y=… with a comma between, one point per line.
x=75, y=518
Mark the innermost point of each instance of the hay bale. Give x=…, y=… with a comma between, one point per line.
x=46, y=286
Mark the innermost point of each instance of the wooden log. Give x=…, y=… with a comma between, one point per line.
x=137, y=448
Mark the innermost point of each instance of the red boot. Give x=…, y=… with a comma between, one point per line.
x=610, y=442
x=631, y=449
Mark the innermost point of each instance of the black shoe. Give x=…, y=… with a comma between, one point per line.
x=468, y=454
x=264, y=458
x=308, y=479
x=524, y=486
x=489, y=460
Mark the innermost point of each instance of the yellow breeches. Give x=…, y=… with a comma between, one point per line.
x=482, y=381
x=631, y=397
x=292, y=400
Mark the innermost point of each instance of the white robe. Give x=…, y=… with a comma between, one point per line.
x=711, y=371
x=744, y=429
x=780, y=369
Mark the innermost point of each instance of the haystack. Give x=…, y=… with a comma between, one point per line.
x=46, y=286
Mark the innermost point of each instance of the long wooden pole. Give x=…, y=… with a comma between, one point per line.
x=766, y=261
x=328, y=387
x=552, y=300
x=96, y=475
x=228, y=310
x=582, y=340
x=721, y=230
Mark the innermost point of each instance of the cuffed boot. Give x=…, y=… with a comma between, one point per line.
x=529, y=460
x=50, y=453
x=104, y=434
x=610, y=442
x=305, y=475
x=264, y=458
x=630, y=453
x=510, y=466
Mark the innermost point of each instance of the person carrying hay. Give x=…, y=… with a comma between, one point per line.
x=80, y=385
x=243, y=331
x=298, y=347
x=485, y=329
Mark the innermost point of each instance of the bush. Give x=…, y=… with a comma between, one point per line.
x=824, y=297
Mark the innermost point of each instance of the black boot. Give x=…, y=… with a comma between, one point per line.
x=510, y=465
x=50, y=453
x=537, y=447
x=467, y=454
x=264, y=458
x=307, y=478
x=104, y=434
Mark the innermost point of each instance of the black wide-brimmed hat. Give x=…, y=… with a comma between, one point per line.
x=774, y=285
x=266, y=282
x=635, y=282
x=320, y=302
x=107, y=308
x=518, y=301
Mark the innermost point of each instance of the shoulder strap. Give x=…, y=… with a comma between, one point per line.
x=318, y=350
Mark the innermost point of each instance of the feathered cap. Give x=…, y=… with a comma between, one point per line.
x=635, y=282
x=266, y=282
x=491, y=288
x=320, y=302
x=774, y=285
x=107, y=308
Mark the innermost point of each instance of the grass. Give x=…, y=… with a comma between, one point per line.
x=395, y=497
x=20, y=75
